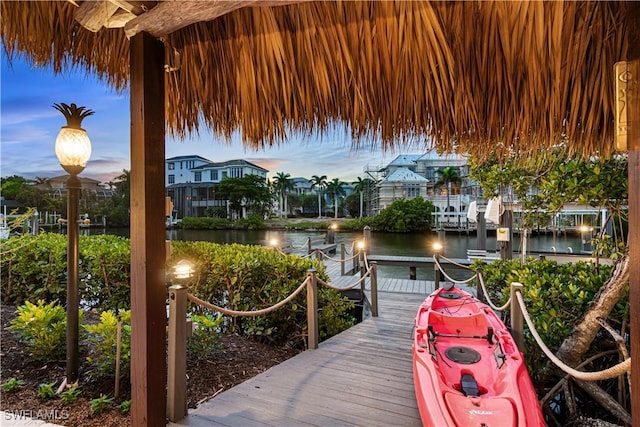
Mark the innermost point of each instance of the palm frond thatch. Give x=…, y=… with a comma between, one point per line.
x=477, y=77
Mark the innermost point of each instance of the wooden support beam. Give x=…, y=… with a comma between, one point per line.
x=148, y=284
x=166, y=18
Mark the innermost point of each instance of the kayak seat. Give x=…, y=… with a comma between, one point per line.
x=469, y=386
x=472, y=325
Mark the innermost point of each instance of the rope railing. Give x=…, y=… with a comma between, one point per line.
x=252, y=313
x=612, y=372
x=457, y=264
x=303, y=246
x=487, y=298
x=324, y=255
x=449, y=278
x=346, y=288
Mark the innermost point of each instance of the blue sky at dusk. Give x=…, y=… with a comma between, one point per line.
x=29, y=125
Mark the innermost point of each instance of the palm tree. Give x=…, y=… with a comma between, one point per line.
x=319, y=183
x=447, y=176
x=283, y=183
x=335, y=188
x=360, y=186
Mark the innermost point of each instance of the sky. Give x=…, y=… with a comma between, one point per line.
x=29, y=125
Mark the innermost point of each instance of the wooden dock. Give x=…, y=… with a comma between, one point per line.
x=360, y=377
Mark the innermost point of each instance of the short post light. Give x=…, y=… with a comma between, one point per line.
x=274, y=243
x=177, y=343
x=585, y=233
x=73, y=149
x=437, y=250
x=331, y=234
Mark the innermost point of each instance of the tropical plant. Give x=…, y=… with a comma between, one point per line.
x=12, y=384
x=103, y=338
x=205, y=338
x=335, y=187
x=282, y=184
x=42, y=328
x=70, y=395
x=46, y=391
x=100, y=404
x=447, y=176
x=360, y=186
x=319, y=183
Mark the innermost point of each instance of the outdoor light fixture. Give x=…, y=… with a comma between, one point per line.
x=437, y=247
x=73, y=149
x=273, y=243
x=183, y=270
x=361, y=245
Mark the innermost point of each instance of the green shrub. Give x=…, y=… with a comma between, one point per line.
x=246, y=278
x=405, y=216
x=34, y=268
x=252, y=222
x=70, y=395
x=101, y=404
x=42, y=328
x=205, y=223
x=12, y=384
x=125, y=406
x=205, y=338
x=103, y=340
x=46, y=391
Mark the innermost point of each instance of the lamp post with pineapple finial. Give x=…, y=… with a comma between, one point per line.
x=73, y=149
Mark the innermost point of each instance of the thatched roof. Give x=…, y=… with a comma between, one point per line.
x=474, y=76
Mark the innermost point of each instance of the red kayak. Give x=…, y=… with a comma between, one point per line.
x=467, y=370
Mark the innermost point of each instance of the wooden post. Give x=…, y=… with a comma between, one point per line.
x=342, y=252
x=312, y=310
x=436, y=273
x=517, y=324
x=479, y=291
x=627, y=115
x=412, y=273
x=366, y=235
x=177, y=357
x=374, y=289
x=148, y=284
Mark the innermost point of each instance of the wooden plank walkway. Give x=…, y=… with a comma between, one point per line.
x=360, y=377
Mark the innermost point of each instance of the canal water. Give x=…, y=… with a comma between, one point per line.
x=410, y=244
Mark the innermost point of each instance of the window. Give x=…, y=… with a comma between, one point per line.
x=172, y=179
x=411, y=191
x=197, y=176
x=214, y=175
x=224, y=174
x=236, y=172
x=171, y=166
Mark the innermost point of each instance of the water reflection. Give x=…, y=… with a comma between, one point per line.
x=411, y=244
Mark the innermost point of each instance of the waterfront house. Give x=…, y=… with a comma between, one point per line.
x=191, y=181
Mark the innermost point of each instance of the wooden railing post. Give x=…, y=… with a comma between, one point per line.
x=318, y=254
x=436, y=273
x=479, y=291
x=517, y=321
x=356, y=259
x=374, y=289
x=312, y=310
x=177, y=356
x=342, y=252
x=309, y=245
